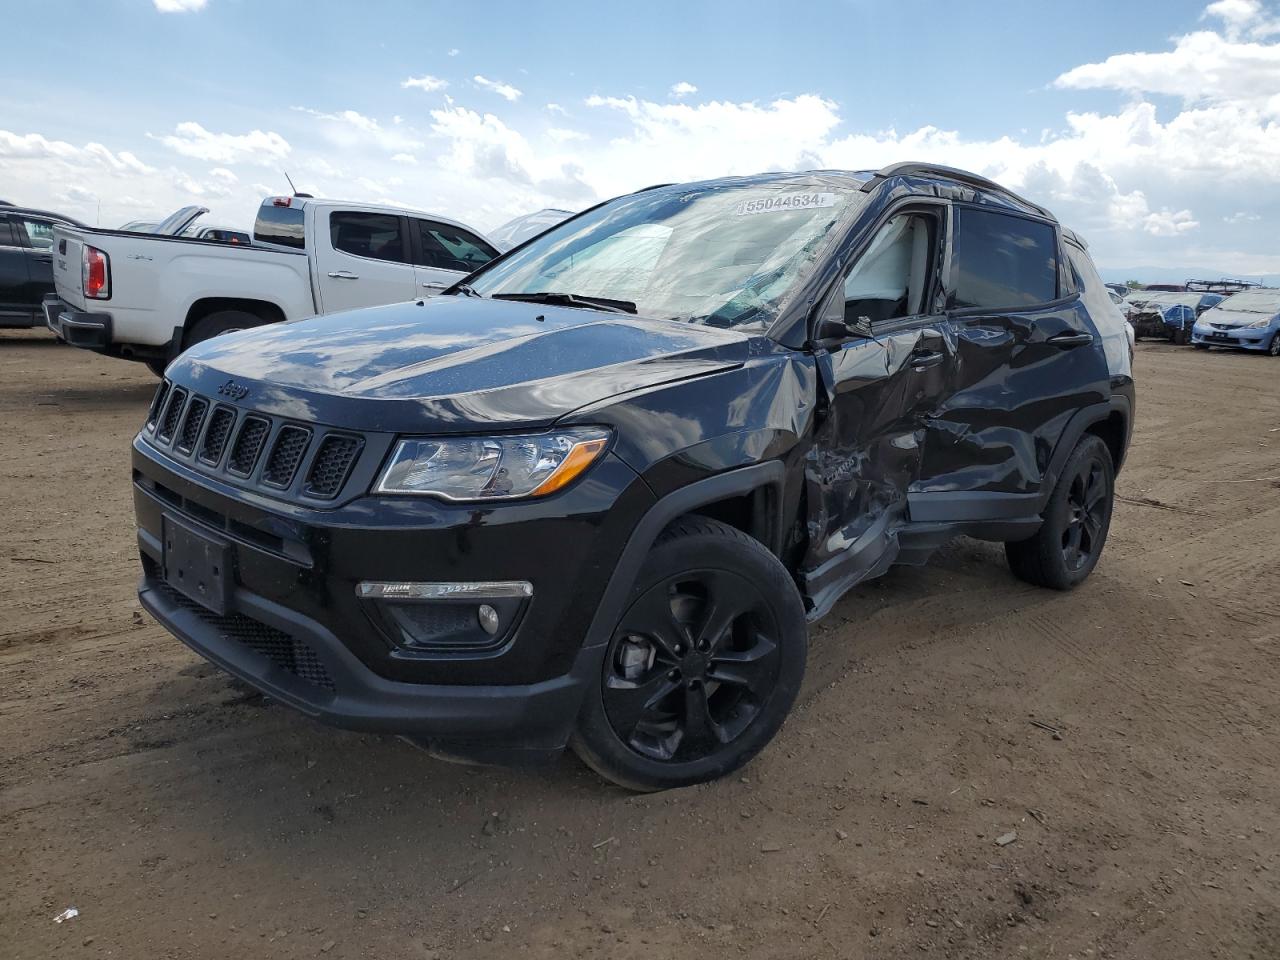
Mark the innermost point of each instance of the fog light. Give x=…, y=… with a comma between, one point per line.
x=488, y=618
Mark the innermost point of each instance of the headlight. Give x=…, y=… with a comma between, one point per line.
x=1259, y=324
x=492, y=468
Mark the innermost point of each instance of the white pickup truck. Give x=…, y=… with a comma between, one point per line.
x=147, y=297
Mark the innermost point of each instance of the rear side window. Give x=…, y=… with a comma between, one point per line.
x=1000, y=262
x=9, y=234
x=373, y=235
x=452, y=248
x=39, y=233
x=280, y=225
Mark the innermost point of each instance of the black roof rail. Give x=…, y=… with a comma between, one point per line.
x=912, y=168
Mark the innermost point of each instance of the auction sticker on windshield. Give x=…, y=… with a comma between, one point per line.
x=786, y=201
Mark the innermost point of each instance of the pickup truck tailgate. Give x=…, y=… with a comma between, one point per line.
x=67, y=247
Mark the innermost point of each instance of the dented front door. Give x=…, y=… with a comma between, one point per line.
x=876, y=395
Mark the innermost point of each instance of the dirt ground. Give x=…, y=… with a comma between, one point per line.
x=186, y=817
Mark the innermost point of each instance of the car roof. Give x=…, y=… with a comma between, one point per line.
x=910, y=177
x=36, y=212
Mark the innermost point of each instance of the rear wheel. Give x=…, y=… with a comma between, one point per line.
x=1070, y=541
x=216, y=324
x=157, y=366
x=704, y=664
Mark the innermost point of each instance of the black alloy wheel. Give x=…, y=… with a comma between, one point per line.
x=703, y=665
x=691, y=666
x=1074, y=524
x=1088, y=509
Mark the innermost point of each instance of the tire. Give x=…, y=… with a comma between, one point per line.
x=703, y=666
x=1067, y=547
x=218, y=323
x=157, y=366
x=1180, y=338
x=1273, y=348
x=1201, y=346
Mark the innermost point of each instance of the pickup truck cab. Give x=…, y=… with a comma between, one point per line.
x=149, y=296
x=26, y=263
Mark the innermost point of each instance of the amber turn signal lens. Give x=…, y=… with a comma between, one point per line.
x=580, y=457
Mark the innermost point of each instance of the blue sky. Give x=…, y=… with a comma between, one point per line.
x=1153, y=127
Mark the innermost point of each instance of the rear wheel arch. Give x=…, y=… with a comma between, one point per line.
x=263, y=311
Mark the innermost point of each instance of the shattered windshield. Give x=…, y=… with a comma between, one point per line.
x=1253, y=301
x=725, y=253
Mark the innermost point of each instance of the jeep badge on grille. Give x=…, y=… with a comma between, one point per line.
x=233, y=390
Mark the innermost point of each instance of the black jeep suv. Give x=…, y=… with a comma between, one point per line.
x=592, y=495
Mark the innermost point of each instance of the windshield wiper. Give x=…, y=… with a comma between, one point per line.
x=571, y=300
x=466, y=290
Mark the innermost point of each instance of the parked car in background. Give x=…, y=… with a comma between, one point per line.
x=1249, y=320
x=515, y=232
x=1169, y=316
x=149, y=296
x=593, y=494
x=224, y=234
x=1121, y=290
x=26, y=262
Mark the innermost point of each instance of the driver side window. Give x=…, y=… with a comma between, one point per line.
x=892, y=278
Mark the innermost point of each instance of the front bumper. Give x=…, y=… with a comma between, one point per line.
x=1242, y=338
x=294, y=627
x=90, y=331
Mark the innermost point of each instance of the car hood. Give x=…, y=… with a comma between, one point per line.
x=451, y=364
x=1232, y=318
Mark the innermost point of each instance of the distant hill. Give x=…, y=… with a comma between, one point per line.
x=1177, y=275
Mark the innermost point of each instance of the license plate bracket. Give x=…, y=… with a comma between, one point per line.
x=196, y=565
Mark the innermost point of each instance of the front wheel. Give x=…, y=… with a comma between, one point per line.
x=1273, y=349
x=703, y=666
x=1070, y=540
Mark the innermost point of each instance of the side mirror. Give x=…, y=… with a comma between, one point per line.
x=838, y=329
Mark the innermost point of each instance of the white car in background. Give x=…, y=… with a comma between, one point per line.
x=149, y=296
x=515, y=232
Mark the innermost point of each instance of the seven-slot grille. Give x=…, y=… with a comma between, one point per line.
x=251, y=447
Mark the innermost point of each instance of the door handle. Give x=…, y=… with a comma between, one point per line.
x=343, y=275
x=1069, y=340
x=43, y=259
x=433, y=285
x=924, y=359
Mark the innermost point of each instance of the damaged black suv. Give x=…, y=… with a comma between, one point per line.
x=592, y=495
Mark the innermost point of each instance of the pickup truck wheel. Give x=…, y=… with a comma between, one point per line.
x=216, y=324
x=704, y=664
x=157, y=366
x=1076, y=521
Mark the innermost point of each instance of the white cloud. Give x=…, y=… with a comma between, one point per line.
x=179, y=6
x=504, y=90
x=556, y=108
x=405, y=158
x=426, y=83
x=454, y=52
x=223, y=174
x=192, y=140
x=683, y=89
x=564, y=135
x=1242, y=216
